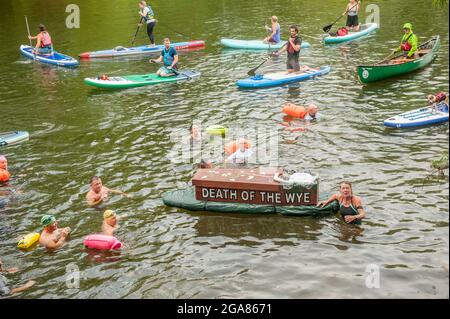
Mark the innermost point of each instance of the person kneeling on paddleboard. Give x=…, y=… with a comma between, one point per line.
x=409, y=43
x=44, y=43
x=147, y=15
x=293, y=52
x=169, y=57
x=274, y=30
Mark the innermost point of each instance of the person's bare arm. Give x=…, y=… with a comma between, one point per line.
x=23, y=287
x=118, y=192
x=329, y=200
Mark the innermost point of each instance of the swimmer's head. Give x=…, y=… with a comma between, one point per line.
x=274, y=19
x=312, y=109
x=142, y=4
x=205, y=163
x=109, y=214
x=242, y=144
x=96, y=184
x=346, y=188
x=3, y=162
x=49, y=222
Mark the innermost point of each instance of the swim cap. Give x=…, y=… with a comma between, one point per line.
x=408, y=26
x=47, y=220
x=3, y=158
x=108, y=214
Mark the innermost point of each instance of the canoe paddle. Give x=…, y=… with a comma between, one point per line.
x=28, y=29
x=327, y=28
x=137, y=30
x=252, y=71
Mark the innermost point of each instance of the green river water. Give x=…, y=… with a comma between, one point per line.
x=127, y=137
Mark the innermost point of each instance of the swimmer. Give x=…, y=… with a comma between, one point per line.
x=110, y=225
x=52, y=237
x=99, y=193
x=4, y=174
x=242, y=155
x=4, y=289
x=205, y=163
x=312, y=113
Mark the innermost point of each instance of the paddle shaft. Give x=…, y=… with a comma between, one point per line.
x=252, y=71
x=328, y=27
x=137, y=30
x=28, y=29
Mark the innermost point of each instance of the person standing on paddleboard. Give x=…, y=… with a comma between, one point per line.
x=352, y=16
x=169, y=57
x=147, y=15
x=44, y=43
x=274, y=30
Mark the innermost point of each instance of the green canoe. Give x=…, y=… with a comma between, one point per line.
x=390, y=68
x=130, y=81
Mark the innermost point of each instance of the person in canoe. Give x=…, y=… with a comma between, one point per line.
x=147, y=15
x=350, y=206
x=408, y=44
x=4, y=174
x=44, y=43
x=293, y=52
x=99, y=193
x=52, y=237
x=352, y=11
x=169, y=57
x=274, y=30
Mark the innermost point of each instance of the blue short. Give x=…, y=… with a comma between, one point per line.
x=45, y=50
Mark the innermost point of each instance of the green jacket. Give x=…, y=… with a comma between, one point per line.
x=412, y=40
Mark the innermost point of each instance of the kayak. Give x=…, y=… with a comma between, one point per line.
x=419, y=117
x=364, y=30
x=130, y=81
x=10, y=138
x=255, y=44
x=55, y=58
x=185, y=198
x=397, y=66
x=280, y=78
x=144, y=49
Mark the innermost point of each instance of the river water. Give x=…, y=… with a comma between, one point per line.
x=126, y=137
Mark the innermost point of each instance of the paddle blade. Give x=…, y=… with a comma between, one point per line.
x=327, y=28
x=252, y=72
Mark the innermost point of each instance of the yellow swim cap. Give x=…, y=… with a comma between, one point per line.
x=108, y=214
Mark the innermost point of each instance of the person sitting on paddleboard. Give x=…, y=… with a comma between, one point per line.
x=99, y=193
x=4, y=174
x=350, y=206
x=169, y=57
x=438, y=102
x=409, y=43
x=147, y=15
x=275, y=30
x=352, y=15
x=293, y=52
x=52, y=237
x=44, y=41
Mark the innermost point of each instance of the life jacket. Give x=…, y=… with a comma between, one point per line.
x=342, y=32
x=103, y=77
x=405, y=44
x=4, y=175
x=290, y=48
x=167, y=56
x=150, y=14
x=46, y=40
x=441, y=96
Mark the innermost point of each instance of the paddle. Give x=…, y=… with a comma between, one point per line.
x=386, y=58
x=252, y=71
x=137, y=30
x=28, y=29
x=327, y=28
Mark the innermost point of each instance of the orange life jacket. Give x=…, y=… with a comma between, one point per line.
x=46, y=40
x=4, y=175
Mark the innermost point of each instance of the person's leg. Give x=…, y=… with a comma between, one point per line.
x=150, y=32
x=23, y=287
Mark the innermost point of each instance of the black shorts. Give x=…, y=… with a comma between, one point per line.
x=292, y=63
x=352, y=21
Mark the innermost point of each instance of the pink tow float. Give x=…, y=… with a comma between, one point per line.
x=102, y=242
